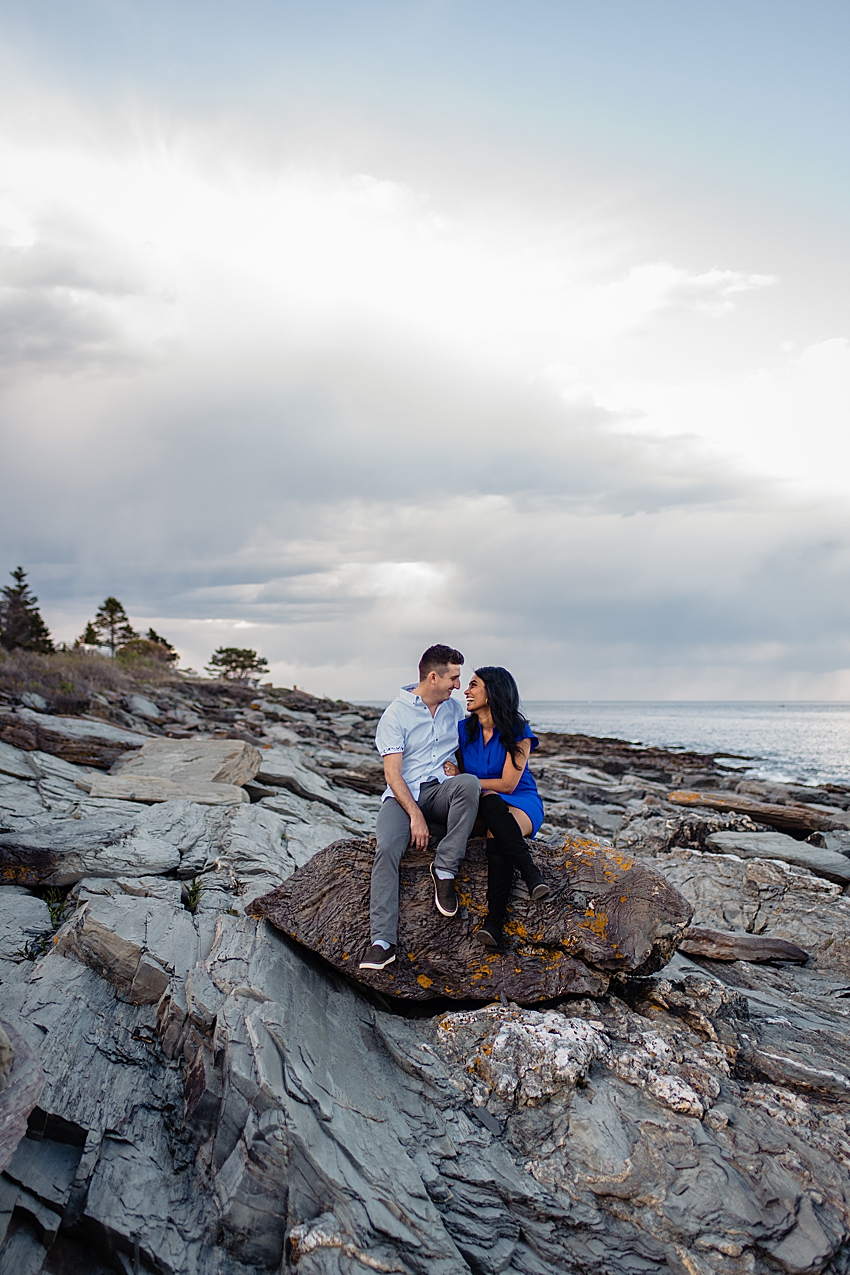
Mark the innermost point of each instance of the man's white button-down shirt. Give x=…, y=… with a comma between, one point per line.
x=425, y=742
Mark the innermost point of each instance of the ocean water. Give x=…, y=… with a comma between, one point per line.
x=794, y=742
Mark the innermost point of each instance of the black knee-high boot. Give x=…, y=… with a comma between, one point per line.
x=510, y=841
x=500, y=880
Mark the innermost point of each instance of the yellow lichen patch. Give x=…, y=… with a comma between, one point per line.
x=683, y=797
x=423, y=980
x=411, y=956
x=345, y=955
x=517, y=929
x=598, y=924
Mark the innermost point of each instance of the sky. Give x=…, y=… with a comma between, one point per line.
x=338, y=329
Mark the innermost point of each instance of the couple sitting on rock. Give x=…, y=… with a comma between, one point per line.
x=441, y=767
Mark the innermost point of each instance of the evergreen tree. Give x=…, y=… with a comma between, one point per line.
x=112, y=624
x=88, y=637
x=21, y=625
x=238, y=664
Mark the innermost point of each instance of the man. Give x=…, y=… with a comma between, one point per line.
x=415, y=736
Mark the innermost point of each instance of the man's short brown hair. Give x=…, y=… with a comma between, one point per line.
x=438, y=657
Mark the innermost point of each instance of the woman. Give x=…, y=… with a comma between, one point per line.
x=495, y=743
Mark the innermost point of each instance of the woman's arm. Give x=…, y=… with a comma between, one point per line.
x=455, y=767
x=511, y=774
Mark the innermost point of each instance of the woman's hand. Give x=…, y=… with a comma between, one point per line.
x=450, y=769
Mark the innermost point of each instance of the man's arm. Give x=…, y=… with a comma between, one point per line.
x=420, y=833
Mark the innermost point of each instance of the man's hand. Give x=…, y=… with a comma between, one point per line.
x=420, y=833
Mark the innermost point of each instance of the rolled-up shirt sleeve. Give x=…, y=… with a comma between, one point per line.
x=389, y=737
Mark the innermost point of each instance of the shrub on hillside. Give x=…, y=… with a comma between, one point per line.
x=144, y=652
x=68, y=680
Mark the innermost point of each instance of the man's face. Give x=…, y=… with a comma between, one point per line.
x=445, y=680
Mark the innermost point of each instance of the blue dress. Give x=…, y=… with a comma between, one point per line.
x=487, y=761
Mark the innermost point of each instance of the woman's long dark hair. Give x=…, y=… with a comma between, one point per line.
x=503, y=696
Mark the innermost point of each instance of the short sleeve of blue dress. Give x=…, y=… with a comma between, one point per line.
x=487, y=761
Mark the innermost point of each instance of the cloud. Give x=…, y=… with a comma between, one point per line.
x=313, y=410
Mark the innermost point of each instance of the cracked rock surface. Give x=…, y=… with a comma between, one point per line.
x=200, y=1094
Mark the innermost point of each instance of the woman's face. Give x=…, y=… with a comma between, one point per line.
x=476, y=694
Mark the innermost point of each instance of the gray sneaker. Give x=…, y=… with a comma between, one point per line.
x=445, y=895
x=376, y=957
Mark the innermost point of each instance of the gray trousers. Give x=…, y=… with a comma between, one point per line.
x=454, y=803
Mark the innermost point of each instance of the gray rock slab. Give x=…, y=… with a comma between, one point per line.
x=243, y=848
x=765, y=896
x=309, y=827
x=187, y=761
x=838, y=842
x=22, y=1091
x=64, y=851
x=21, y=803
x=143, y=707
x=138, y=887
x=23, y=919
x=280, y=734
x=58, y=780
x=719, y=945
x=15, y=762
x=284, y=768
x=7, y=1057
x=107, y=1081
x=151, y=790
x=83, y=741
x=31, y=699
x=46, y=1169
x=137, y=943
x=776, y=845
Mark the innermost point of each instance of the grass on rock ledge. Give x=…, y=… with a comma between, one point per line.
x=69, y=680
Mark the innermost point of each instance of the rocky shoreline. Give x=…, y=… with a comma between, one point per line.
x=199, y=1093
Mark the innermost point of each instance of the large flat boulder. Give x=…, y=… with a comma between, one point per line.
x=607, y=913
x=188, y=761
x=150, y=789
x=82, y=741
x=775, y=845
